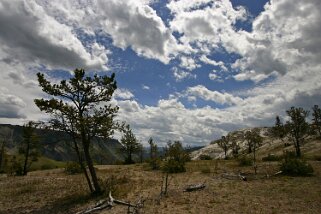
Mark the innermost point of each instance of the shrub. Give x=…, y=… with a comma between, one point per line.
x=175, y=158
x=271, y=157
x=206, y=170
x=289, y=155
x=46, y=166
x=245, y=161
x=205, y=157
x=173, y=166
x=72, y=168
x=296, y=167
x=317, y=157
x=14, y=167
x=155, y=163
x=115, y=184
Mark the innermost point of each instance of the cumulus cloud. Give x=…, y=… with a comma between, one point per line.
x=170, y=120
x=220, y=64
x=30, y=35
x=209, y=23
x=124, y=94
x=129, y=23
x=145, y=87
x=215, y=96
x=180, y=74
x=213, y=76
x=10, y=105
x=284, y=40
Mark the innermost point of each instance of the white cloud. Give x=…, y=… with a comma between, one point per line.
x=212, y=76
x=170, y=120
x=206, y=60
x=29, y=35
x=124, y=94
x=284, y=40
x=188, y=63
x=130, y=23
x=145, y=87
x=180, y=74
x=215, y=96
x=11, y=105
x=208, y=22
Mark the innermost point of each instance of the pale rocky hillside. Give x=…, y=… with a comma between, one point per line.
x=311, y=147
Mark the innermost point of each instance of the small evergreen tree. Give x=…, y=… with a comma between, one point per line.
x=175, y=158
x=153, y=155
x=316, y=119
x=279, y=130
x=141, y=152
x=81, y=107
x=235, y=147
x=130, y=145
x=29, y=147
x=6, y=135
x=224, y=144
x=255, y=140
x=298, y=127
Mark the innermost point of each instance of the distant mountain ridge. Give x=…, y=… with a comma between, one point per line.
x=56, y=145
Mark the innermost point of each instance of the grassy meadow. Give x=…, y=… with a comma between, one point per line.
x=52, y=191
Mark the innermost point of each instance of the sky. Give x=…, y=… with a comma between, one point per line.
x=187, y=70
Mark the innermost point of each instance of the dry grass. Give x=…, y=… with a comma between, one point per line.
x=54, y=192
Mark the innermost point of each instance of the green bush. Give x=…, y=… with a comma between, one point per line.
x=245, y=161
x=205, y=157
x=155, y=163
x=14, y=167
x=175, y=158
x=173, y=166
x=115, y=184
x=271, y=157
x=289, y=155
x=296, y=167
x=72, y=168
x=206, y=170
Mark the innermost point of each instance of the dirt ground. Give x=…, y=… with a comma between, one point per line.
x=52, y=191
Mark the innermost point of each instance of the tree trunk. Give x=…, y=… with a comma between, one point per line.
x=2, y=154
x=91, y=168
x=254, y=159
x=130, y=161
x=81, y=163
x=25, y=170
x=298, y=150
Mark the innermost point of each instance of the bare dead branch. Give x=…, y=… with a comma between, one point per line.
x=194, y=187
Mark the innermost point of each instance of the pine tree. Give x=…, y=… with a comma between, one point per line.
x=153, y=154
x=80, y=107
x=29, y=147
x=298, y=127
x=130, y=145
x=316, y=120
x=224, y=144
x=279, y=129
x=254, y=140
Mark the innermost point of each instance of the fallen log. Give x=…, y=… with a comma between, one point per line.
x=194, y=187
x=277, y=173
x=104, y=204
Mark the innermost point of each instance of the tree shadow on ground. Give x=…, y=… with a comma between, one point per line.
x=64, y=205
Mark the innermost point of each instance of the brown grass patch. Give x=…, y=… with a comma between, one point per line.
x=54, y=192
